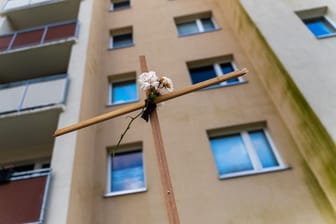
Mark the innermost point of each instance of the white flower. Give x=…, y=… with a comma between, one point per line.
x=166, y=85
x=154, y=85
x=148, y=80
x=145, y=86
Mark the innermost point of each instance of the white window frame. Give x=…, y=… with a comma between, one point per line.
x=216, y=66
x=317, y=13
x=112, y=35
x=37, y=164
x=219, y=72
x=108, y=178
x=199, y=25
x=328, y=20
x=110, y=91
x=256, y=164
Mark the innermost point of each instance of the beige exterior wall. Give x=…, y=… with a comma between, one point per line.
x=201, y=197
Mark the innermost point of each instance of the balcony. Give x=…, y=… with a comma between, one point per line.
x=41, y=50
x=24, y=197
x=32, y=94
x=24, y=14
x=30, y=111
x=20, y=4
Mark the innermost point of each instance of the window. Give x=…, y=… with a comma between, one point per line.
x=320, y=26
x=211, y=70
x=317, y=21
x=123, y=91
x=30, y=166
x=126, y=172
x=121, y=38
x=121, y=4
x=245, y=152
x=193, y=24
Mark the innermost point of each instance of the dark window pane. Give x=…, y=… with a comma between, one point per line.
x=202, y=74
x=230, y=154
x=263, y=149
x=121, y=5
x=319, y=26
x=127, y=172
x=45, y=165
x=227, y=68
x=187, y=28
x=124, y=92
x=208, y=25
x=22, y=168
x=60, y=32
x=123, y=40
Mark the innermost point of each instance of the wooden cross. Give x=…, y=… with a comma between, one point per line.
x=158, y=142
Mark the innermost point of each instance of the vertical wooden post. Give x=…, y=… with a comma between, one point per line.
x=162, y=161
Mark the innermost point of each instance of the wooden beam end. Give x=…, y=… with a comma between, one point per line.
x=244, y=70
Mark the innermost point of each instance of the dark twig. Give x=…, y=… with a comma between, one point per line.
x=127, y=128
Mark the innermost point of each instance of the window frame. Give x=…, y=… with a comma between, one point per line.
x=197, y=19
x=218, y=71
x=113, y=2
x=326, y=22
x=252, y=153
x=128, y=149
x=110, y=91
x=120, y=32
x=36, y=165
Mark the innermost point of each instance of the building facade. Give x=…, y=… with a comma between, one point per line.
x=254, y=149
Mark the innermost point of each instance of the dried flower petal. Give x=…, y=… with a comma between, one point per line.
x=166, y=85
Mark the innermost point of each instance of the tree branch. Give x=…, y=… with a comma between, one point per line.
x=125, y=131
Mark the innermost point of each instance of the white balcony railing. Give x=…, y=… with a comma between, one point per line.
x=33, y=93
x=14, y=4
x=38, y=35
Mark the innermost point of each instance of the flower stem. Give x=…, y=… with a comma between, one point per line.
x=126, y=129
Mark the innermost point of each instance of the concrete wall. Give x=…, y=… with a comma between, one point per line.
x=65, y=189
x=303, y=55
x=83, y=192
x=311, y=137
x=26, y=154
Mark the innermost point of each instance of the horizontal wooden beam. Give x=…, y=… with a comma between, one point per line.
x=139, y=105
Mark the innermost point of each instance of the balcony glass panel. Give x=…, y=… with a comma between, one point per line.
x=23, y=198
x=36, y=36
x=5, y=41
x=32, y=2
x=32, y=94
x=28, y=38
x=60, y=32
x=10, y=98
x=11, y=4
x=44, y=93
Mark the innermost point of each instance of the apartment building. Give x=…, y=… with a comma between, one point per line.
x=254, y=149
